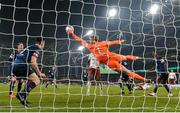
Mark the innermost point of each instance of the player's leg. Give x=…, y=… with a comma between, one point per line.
x=98, y=79
x=47, y=83
x=130, y=85
x=164, y=82
x=141, y=86
x=170, y=83
x=157, y=84
x=54, y=82
x=20, y=82
x=84, y=79
x=90, y=77
x=12, y=81
x=11, y=86
x=51, y=81
x=119, y=58
x=121, y=82
x=127, y=82
x=32, y=82
x=118, y=68
x=158, y=80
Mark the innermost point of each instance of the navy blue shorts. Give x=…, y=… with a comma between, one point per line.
x=85, y=79
x=22, y=71
x=162, y=78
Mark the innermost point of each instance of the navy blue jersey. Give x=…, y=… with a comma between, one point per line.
x=51, y=73
x=161, y=66
x=25, y=56
x=21, y=66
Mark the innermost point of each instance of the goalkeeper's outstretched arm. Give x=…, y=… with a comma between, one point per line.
x=84, y=43
x=70, y=31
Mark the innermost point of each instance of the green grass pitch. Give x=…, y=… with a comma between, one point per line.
x=72, y=98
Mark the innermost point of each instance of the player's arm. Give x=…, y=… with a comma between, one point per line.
x=109, y=43
x=77, y=38
x=70, y=31
x=35, y=66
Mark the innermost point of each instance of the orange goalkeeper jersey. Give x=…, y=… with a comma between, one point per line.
x=99, y=49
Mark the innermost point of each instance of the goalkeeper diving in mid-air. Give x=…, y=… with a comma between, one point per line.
x=103, y=55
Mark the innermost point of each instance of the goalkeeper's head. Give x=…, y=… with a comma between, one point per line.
x=94, y=38
x=40, y=42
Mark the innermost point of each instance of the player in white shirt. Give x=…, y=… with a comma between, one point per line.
x=93, y=70
x=172, y=78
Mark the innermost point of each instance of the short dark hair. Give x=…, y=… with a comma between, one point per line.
x=39, y=40
x=19, y=43
x=95, y=37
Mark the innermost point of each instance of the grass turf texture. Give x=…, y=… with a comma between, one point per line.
x=72, y=98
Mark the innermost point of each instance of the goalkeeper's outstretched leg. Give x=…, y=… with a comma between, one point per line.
x=118, y=68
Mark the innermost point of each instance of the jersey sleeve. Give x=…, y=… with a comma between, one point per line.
x=36, y=53
x=77, y=38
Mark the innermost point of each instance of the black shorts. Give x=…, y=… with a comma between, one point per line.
x=22, y=71
x=162, y=78
x=85, y=78
x=125, y=78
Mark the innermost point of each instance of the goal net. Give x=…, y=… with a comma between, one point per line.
x=148, y=26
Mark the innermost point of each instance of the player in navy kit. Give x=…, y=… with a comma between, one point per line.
x=25, y=66
x=13, y=78
x=162, y=75
x=51, y=76
x=126, y=80
x=84, y=76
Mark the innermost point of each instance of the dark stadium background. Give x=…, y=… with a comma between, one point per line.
x=23, y=20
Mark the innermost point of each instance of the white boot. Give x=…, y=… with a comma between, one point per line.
x=152, y=94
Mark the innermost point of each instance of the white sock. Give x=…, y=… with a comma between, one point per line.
x=88, y=87
x=100, y=89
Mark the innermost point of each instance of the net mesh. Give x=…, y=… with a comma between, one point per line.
x=147, y=25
